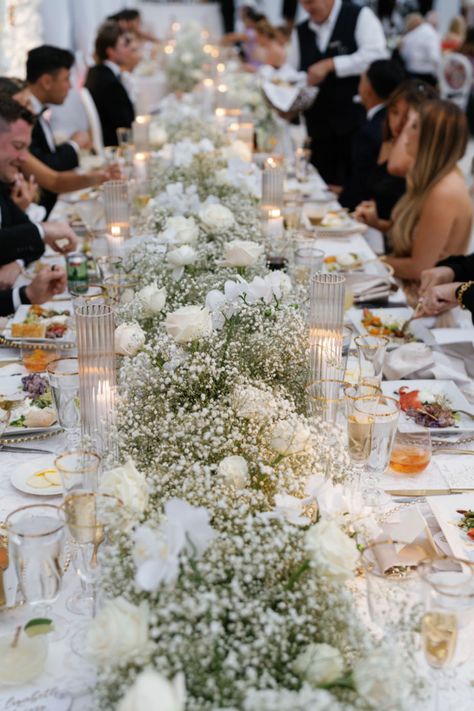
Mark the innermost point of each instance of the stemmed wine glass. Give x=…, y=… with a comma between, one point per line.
x=371, y=352
x=447, y=626
x=63, y=376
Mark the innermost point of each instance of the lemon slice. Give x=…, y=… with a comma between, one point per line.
x=38, y=625
x=39, y=480
x=52, y=475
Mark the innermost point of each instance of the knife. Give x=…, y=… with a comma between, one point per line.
x=24, y=450
x=426, y=492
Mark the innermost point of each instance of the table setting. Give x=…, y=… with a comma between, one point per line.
x=235, y=473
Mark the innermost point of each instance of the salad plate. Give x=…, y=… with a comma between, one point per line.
x=48, y=323
x=430, y=404
x=383, y=322
x=32, y=407
x=37, y=477
x=453, y=523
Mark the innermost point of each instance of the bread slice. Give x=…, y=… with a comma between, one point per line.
x=28, y=330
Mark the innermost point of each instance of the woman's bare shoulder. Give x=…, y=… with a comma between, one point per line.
x=453, y=187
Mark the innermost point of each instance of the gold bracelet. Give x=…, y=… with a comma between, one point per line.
x=461, y=291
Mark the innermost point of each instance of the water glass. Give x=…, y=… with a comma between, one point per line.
x=383, y=413
x=371, y=353
x=121, y=287
x=36, y=541
x=63, y=376
x=124, y=137
x=326, y=400
x=411, y=453
x=79, y=470
x=308, y=261
x=302, y=158
x=292, y=209
x=109, y=266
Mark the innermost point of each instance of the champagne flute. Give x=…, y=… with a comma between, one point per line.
x=447, y=626
x=371, y=352
x=326, y=400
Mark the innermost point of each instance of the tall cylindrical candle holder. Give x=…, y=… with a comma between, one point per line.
x=141, y=133
x=117, y=215
x=141, y=166
x=273, y=179
x=97, y=374
x=326, y=319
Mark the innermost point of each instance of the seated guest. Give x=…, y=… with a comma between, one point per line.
x=268, y=50
x=421, y=49
x=375, y=86
x=393, y=164
x=455, y=35
x=21, y=240
x=115, y=109
x=47, y=76
x=47, y=178
x=433, y=219
x=130, y=21
x=46, y=284
x=447, y=285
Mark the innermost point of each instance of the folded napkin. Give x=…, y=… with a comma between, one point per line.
x=286, y=89
x=414, y=542
x=367, y=287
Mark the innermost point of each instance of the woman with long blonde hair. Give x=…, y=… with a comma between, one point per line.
x=433, y=219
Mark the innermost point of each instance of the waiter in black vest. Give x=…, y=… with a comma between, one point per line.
x=335, y=45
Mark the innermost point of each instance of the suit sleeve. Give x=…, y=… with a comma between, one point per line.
x=64, y=158
x=22, y=241
x=462, y=266
x=6, y=302
x=364, y=158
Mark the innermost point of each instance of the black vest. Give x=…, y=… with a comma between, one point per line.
x=334, y=107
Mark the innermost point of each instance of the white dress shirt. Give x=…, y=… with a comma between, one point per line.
x=369, y=37
x=38, y=108
x=123, y=77
x=373, y=111
x=421, y=50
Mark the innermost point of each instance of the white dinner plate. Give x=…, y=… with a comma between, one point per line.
x=396, y=315
x=438, y=387
x=21, y=314
x=19, y=478
x=444, y=509
x=11, y=388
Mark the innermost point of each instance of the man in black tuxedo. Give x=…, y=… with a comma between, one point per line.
x=21, y=241
x=115, y=109
x=335, y=45
x=375, y=86
x=48, y=77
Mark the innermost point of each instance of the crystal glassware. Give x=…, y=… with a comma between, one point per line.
x=63, y=375
x=108, y=266
x=307, y=262
x=382, y=413
x=124, y=136
x=292, y=210
x=117, y=214
x=447, y=625
x=121, y=287
x=302, y=158
x=36, y=542
x=273, y=179
x=371, y=353
x=411, y=452
x=79, y=470
x=326, y=400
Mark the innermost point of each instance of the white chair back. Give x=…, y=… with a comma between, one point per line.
x=455, y=79
x=94, y=121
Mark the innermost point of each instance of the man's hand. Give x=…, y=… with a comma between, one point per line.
x=318, y=72
x=46, y=284
x=82, y=138
x=24, y=191
x=9, y=274
x=434, y=277
x=59, y=236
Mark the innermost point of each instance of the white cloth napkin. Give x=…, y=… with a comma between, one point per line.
x=284, y=96
x=367, y=287
x=412, y=530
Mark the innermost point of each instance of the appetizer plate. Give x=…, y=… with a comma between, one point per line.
x=388, y=316
x=65, y=309
x=80, y=195
x=11, y=388
x=444, y=509
x=447, y=388
x=37, y=477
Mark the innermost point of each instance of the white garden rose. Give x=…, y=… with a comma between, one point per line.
x=181, y=230
x=158, y=135
x=189, y=323
x=290, y=437
x=151, y=691
x=119, y=632
x=241, y=253
x=127, y=484
x=216, y=217
x=153, y=298
x=235, y=471
x=319, y=664
x=181, y=256
x=333, y=554
x=380, y=679
x=129, y=338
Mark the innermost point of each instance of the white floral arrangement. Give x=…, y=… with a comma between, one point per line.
x=234, y=590
x=183, y=66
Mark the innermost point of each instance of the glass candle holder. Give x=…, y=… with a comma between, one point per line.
x=97, y=376
x=117, y=214
x=141, y=133
x=141, y=166
x=273, y=179
x=326, y=317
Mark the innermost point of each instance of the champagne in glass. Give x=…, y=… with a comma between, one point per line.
x=359, y=434
x=439, y=633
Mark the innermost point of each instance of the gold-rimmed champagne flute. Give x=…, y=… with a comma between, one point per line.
x=371, y=353
x=447, y=626
x=326, y=400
